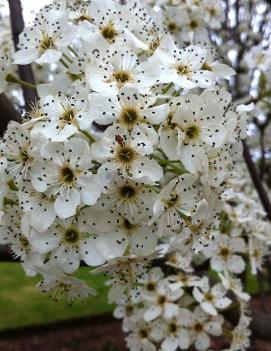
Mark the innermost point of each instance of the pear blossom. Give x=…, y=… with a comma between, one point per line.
x=66, y=176
x=211, y=299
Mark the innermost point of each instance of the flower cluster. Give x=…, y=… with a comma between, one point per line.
x=126, y=164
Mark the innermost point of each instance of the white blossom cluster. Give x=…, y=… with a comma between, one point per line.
x=126, y=164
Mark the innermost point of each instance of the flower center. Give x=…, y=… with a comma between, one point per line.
x=67, y=175
x=192, y=132
x=172, y=26
x=46, y=43
x=224, y=252
x=125, y=154
x=109, y=32
x=129, y=309
x=71, y=236
x=194, y=24
x=150, y=286
x=212, y=11
x=209, y=297
x=24, y=157
x=183, y=70
x=68, y=115
x=122, y=76
x=198, y=327
x=128, y=225
x=161, y=300
x=127, y=192
x=172, y=201
x=172, y=327
x=143, y=333
x=129, y=116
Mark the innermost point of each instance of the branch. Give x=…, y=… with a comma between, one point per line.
x=25, y=71
x=257, y=180
x=7, y=113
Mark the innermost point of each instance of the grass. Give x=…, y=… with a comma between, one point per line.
x=22, y=304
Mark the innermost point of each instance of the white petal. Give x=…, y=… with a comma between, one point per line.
x=65, y=206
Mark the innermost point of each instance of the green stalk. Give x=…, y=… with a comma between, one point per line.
x=90, y=137
x=11, y=78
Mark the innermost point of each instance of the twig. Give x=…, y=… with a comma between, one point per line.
x=257, y=180
x=7, y=113
x=25, y=71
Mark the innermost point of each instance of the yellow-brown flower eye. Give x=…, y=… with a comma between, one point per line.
x=67, y=175
x=125, y=154
x=71, y=236
x=192, y=132
x=122, y=76
x=129, y=116
x=109, y=32
x=127, y=192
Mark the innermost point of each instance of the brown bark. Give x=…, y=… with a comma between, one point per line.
x=25, y=71
x=7, y=113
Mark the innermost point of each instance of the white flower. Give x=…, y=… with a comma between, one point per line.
x=65, y=174
x=214, y=65
x=175, y=335
x=257, y=251
x=39, y=206
x=140, y=339
x=211, y=299
x=68, y=242
x=118, y=151
x=202, y=227
x=201, y=325
x=132, y=199
x=224, y=254
x=175, y=198
x=17, y=147
x=122, y=68
x=234, y=284
x=183, y=67
x=63, y=116
x=136, y=113
x=43, y=42
x=162, y=303
x=106, y=22
x=60, y=285
x=240, y=336
x=151, y=280
x=125, y=272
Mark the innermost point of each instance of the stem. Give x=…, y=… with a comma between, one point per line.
x=257, y=180
x=90, y=137
x=11, y=78
x=7, y=113
x=164, y=91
